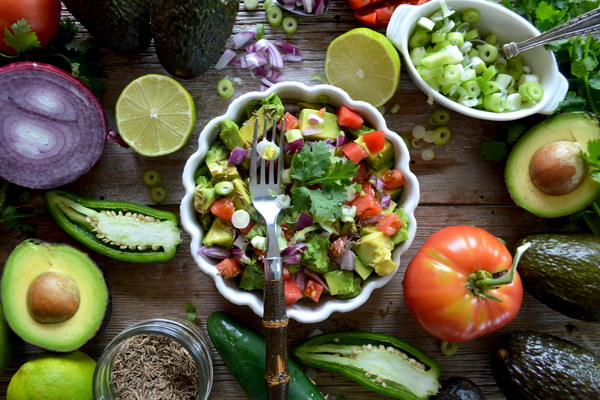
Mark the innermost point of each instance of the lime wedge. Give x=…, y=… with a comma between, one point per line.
x=155, y=115
x=365, y=64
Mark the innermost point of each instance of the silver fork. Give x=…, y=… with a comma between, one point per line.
x=265, y=189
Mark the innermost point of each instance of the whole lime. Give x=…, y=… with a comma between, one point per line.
x=54, y=376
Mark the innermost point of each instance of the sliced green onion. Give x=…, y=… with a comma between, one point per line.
x=491, y=38
x=456, y=38
x=415, y=144
x=418, y=131
x=428, y=137
x=274, y=15
x=493, y=102
x=472, y=88
x=395, y=108
x=289, y=25
x=158, y=194
x=441, y=135
x=151, y=178
x=427, y=155
x=318, y=77
x=531, y=92
x=440, y=117
x=513, y=102
x=472, y=34
x=503, y=80
x=489, y=73
x=225, y=88
x=528, y=78
x=240, y=219
x=224, y=188
x=471, y=15
x=437, y=37
x=251, y=4
x=419, y=38
x=260, y=31
x=417, y=54
x=452, y=73
x=448, y=348
x=267, y=4
x=488, y=53
x=426, y=23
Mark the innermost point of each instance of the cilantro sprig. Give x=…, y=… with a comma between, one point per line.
x=21, y=38
x=12, y=216
x=322, y=179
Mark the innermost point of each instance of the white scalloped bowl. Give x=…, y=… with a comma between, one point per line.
x=509, y=27
x=305, y=311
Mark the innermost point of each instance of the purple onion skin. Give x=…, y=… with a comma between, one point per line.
x=67, y=116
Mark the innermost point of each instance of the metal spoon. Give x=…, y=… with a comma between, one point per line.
x=300, y=9
x=588, y=23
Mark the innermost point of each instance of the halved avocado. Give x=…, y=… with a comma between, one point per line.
x=54, y=296
x=574, y=129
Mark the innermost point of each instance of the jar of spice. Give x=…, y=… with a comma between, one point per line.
x=155, y=359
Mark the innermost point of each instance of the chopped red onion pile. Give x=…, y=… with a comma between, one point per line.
x=264, y=58
x=314, y=7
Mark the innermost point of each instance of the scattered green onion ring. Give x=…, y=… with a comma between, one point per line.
x=274, y=15
x=318, y=77
x=488, y=52
x=260, y=31
x=418, y=131
x=441, y=135
x=427, y=155
x=439, y=117
x=251, y=4
x=267, y=4
x=224, y=188
x=225, y=88
x=448, y=348
x=289, y=25
x=531, y=92
x=471, y=15
x=158, y=194
x=151, y=178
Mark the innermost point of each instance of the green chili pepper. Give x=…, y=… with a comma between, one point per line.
x=121, y=230
x=380, y=362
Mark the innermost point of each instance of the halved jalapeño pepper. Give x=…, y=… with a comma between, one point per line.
x=380, y=362
x=118, y=229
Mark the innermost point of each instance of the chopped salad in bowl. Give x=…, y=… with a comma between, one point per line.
x=347, y=199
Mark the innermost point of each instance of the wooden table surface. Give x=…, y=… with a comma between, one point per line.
x=457, y=187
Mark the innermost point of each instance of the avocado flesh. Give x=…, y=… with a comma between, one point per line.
x=563, y=272
x=579, y=127
x=329, y=127
x=32, y=258
x=538, y=366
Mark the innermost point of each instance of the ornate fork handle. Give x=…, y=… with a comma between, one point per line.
x=588, y=23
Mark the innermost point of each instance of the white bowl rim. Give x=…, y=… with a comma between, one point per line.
x=558, y=87
x=318, y=311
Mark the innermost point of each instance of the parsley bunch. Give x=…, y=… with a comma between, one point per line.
x=323, y=180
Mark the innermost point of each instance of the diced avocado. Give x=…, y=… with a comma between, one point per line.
x=329, y=127
x=217, y=159
x=204, y=196
x=356, y=290
x=219, y=234
x=375, y=250
x=381, y=161
x=394, y=193
x=315, y=256
x=362, y=270
x=241, y=195
x=230, y=135
x=356, y=133
x=402, y=233
x=253, y=277
x=270, y=107
x=340, y=282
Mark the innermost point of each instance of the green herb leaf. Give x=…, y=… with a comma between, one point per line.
x=20, y=37
x=312, y=162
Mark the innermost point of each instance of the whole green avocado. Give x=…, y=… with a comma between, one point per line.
x=537, y=366
x=190, y=36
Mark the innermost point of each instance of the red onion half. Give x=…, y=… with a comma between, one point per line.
x=52, y=127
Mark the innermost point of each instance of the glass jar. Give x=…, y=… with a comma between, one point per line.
x=189, y=335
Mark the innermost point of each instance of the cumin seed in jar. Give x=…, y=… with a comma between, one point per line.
x=153, y=367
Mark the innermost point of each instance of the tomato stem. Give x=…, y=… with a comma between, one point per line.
x=481, y=281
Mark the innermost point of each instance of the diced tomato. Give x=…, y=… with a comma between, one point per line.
x=290, y=122
x=366, y=203
x=292, y=292
x=362, y=174
x=246, y=230
x=223, y=208
x=375, y=141
x=348, y=118
x=228, y=268
x=355, y=152
x=313, y=289
x=377, y=13
x=356, y=4
x=286, y=274
x=321, y=111
x=392, y=179
x=390, y=224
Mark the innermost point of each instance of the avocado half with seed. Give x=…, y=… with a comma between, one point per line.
x=545, y=173
x=54, y=296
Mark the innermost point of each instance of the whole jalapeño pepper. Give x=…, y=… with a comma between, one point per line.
x=117, y=229
x=380, y=362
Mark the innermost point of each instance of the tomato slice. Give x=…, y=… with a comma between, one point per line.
x=390, y=224
x=246, y=230
x=290, y=122
x=286, y=274
x=228, y=268
x=392, y=179
x=223, y=208
x=313, y=290
x=366, y=203
x=292, y=292
x=355, y=152
x=375, y=141
x=377, y=13
x=349, y=118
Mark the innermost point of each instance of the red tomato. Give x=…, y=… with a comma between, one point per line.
x=355, y=152
x=392, y=179
x=375, y=141
x=292, y=292
x=366, y=204
x=313, y=289
x=223, y=208
x=244, y=231
x=349, y=118
x=437, y=285
x=289, y=122
x=42, y=15
x=377, y=13
x=228, y=268
x=286, y=274
x=390, y=224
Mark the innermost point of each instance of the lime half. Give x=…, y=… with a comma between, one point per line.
x=365, y=64
x=155, y=115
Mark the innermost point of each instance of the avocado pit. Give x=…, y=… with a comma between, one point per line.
x=52, y=297
x=557, y=168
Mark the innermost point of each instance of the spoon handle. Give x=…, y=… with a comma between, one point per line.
x=588, y=23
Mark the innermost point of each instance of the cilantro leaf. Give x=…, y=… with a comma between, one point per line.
x=341, y=171
x=20, y=37
x=312, y=162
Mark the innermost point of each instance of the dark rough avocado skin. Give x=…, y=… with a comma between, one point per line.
x=538, y=366
x=563, y=272
x=190, y=36
x=458, y=388
x=120, y=25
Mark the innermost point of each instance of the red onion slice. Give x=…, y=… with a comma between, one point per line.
x=237, y=156
x=52, y=127
x=304, y=221
x=348, y=260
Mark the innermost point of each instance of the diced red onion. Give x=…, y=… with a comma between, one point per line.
x=330, y=143
x=294, y=147
x=255, y=60
x=304, y=221
x=386, y=199
x=266, y=82
x=294, y=249
x=292, y=259
x=240, y=242
x=287, y=48
x=240, y=39
x=292, y=57
x=314, y=118
x=238, y=155
x=300, y=278
x=341, y=140
x=214, y=252
x=316, y=277
x=373, y=219
x=348, y=260
x=379, y=184
x=308, y=5
x=311, y=131
x=227, y=56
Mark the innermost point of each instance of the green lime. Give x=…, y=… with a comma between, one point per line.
x=365, y=64
x=54, y=376
x=155, y=115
